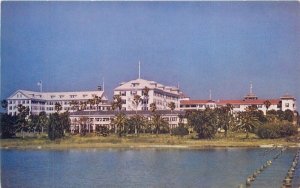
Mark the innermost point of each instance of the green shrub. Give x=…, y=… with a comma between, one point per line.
x=180, y=131
x=276, y=130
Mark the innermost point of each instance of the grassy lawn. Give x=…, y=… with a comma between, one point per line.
x=142, y=141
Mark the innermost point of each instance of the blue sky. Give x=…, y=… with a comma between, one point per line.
x=220, y=46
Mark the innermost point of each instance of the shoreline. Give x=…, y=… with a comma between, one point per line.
x=199, y=146
x=143, y=142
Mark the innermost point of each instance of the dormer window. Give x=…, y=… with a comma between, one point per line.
x=61, y=96
x=84, y=95
x=52, y=96
x=135, y=84
x=72, y=96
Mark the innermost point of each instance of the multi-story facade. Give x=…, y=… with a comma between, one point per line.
x=159, y=94
x=45, y=101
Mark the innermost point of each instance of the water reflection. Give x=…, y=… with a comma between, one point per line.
x=140, y=168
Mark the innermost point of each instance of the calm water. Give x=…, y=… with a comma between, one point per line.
x=142, y=168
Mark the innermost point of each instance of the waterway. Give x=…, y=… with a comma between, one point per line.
x=143, y=168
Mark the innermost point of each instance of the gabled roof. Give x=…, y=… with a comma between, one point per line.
x=141, y=84
x=77, y=95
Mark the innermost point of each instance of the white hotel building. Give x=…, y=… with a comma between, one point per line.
x=159, y=94
x=45, y=101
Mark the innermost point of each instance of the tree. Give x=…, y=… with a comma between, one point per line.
x=159, y=125
x=97, y=101
x=171, y=105
x=83, y=121
x=180, y=130
x=33, y=123
x=58, y=124
x=83, y=105
x=153, y=107
x=4, y=104
x=102, y=131
x=58, y=107
x=91, y=103
x=229, y=118
x=267, y=103
x=135, y=123
x=289, y=115
x=65, y=121
x=22, y=118
x=247, y=122
x=117, y=102
x=224, y=117
x=119, y=123
x=203, y=122
x=43, y=120
x=8, y=125
x=74, y=105
x=145, y=94
x=55, y=127
x=136, y=101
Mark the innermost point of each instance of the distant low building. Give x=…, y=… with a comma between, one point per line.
x=286, y=102
x=45, y=101
x=94, y=119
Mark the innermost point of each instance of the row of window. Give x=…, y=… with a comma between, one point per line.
x=169, y=119
x=71, y=96
x=157, y=94
x=234, y=106
x=18, y=101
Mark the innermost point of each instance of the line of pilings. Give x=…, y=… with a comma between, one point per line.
x=250, y=179
x=288, y=180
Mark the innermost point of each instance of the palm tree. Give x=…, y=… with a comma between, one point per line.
x=247, y=122
x=136, y=101
x=171, y=105
x=58, y=107
x=4, y=104
x=153, y=107
x=267, y=103
x=227, y=117
x=83, y=105
x=153, y=110
x=159, y=123
x=97, y=101
x=117, y=102
x=23, y=117
x=119, y=123
x=145, y=93
x=74, y=105
x=82, y=125
x=43, y=120
x=91, y=103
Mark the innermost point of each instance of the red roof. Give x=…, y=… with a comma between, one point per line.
x=224, y=102
x=249, y=102
x=194, y=101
